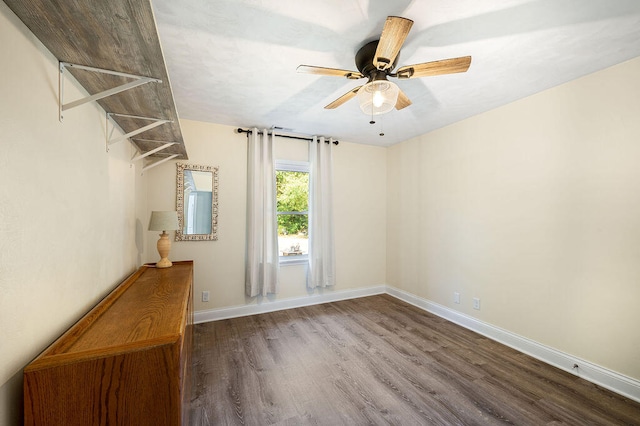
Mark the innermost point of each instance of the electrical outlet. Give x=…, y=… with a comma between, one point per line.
x=456, y=297
x=205, y=296
x=476, y=303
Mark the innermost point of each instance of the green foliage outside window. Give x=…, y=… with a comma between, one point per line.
x=292, y=191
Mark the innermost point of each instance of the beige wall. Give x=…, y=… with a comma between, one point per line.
x=360, y=215
x=535, y=209
x=67, y=209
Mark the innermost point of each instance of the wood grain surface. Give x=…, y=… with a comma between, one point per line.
x=116, y=35
x=378, y=360
x=127, y=362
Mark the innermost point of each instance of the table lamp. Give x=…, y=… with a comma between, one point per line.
x=163, y=221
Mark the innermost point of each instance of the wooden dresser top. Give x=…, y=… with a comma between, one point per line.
x=144, y=310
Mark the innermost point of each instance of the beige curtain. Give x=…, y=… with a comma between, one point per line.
x=262, y=263
x=322, y=263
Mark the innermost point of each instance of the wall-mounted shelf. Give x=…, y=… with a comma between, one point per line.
x=119, y=36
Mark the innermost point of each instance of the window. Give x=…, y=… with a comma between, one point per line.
x=292, y=194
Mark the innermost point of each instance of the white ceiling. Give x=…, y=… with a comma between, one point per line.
x=234, y=62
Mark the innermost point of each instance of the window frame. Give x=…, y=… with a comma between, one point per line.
x=293, y=166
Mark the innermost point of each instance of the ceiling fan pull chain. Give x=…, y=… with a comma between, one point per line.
x=372, y=121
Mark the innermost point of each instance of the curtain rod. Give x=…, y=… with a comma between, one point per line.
x=248, y=132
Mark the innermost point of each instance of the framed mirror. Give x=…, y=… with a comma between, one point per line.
x=197, y=202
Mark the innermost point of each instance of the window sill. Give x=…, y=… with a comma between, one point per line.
x=293, y=260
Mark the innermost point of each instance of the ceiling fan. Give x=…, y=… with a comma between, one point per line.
x=376, y=61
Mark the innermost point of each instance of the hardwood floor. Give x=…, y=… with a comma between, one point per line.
x=378, y=360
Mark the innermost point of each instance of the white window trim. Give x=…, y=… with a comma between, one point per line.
x=293, y=166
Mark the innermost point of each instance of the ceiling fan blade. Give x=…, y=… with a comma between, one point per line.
x=332, y=72
x=403, y=101
x=394, y=33
x=445, y=66
x=344, y=98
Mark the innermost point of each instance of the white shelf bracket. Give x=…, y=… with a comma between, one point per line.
x=157, y=163
x=155, y=123
x=153, y=151
x=137, y=81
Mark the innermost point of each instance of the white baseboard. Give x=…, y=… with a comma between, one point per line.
x=623, y=385
x=278, y=305
x=601, y=376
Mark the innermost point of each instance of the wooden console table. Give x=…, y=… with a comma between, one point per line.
x=126, y=362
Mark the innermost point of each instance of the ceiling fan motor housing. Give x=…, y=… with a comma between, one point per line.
x=364, y=61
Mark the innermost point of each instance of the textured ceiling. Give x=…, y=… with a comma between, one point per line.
x=234, y=62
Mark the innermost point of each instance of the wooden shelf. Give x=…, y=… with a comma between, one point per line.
x=116, y=35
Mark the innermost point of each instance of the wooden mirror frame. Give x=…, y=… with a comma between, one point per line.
x=180, y=236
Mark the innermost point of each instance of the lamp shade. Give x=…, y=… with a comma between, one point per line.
x=163, y=221
x=378, y=97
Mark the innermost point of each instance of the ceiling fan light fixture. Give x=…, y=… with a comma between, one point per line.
x=378, y=97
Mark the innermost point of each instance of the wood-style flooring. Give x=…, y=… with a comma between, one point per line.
x=379, y=361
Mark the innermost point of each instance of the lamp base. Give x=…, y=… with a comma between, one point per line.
x=164, y=263
x=164, y=246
